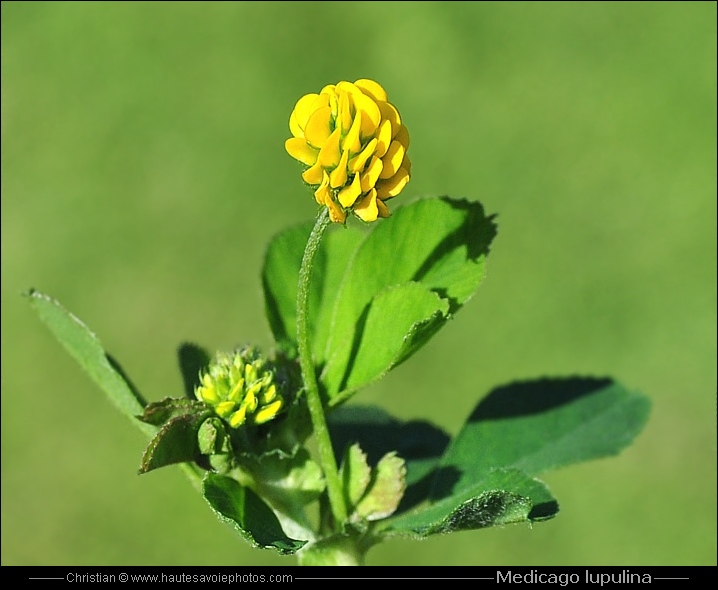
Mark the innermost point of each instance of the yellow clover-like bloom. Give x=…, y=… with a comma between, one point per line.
x=241, y=387
x=354, y=144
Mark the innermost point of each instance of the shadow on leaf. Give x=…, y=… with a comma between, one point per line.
x=535, y=397
x=192, y=359
x=419, y=443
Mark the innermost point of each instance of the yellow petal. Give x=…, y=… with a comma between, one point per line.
x=313, y=175
x=347, y=87
x=300, y=150
x=334, y=104
x=371, y=174
x=367, y=208
x=338, y=177
x=269, y=394
x=318, y=129
x=383, y=209
x=391, y=187
x=294, y=127
x=371, y=115
x=344, y=117
x=224, y=409
x=267, y=412
x=250, y=373
x=329, y=154
x=389, y=113
x=336, y=213
x=402, y=136
x=406, y=164
x=373, y=89
x=352, y=142
x=393, y=159
x=321, y=101
x=383, y=136
x=300, y=114
x=237, y=391
x=238, y=418
x=357, y=163
x=349, y=194
x=250, y=401
x=323, y=194
x=208, y=394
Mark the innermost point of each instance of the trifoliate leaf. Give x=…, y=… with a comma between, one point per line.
x=376, y=299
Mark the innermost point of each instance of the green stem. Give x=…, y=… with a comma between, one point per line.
x=314, y=401
x=337, y=550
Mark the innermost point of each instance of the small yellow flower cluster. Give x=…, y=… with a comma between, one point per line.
x=241, y=388
x=354, y=144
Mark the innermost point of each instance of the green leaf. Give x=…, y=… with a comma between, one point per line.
x=87, y=350
x=396, y=323
x=386, y=488
x=539, y=425
x=157, y=413
x=247, y=513
x=355, y=475
x=440, y=243
x=288, y=484
x=176, y=442
x=284, y=481
x=419, y=443
x=358, y=325
x=504, y=497
x=213, y=439
x=280, y=277
x=517, y=431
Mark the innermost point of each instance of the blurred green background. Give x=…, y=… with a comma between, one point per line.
x=143, y=174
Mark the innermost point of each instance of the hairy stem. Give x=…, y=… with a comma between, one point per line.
x=309, y=377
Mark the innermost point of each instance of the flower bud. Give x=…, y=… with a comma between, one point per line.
x=242, y=388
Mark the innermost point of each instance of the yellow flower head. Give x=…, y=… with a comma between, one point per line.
x=354, y=144
x=241, y=387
